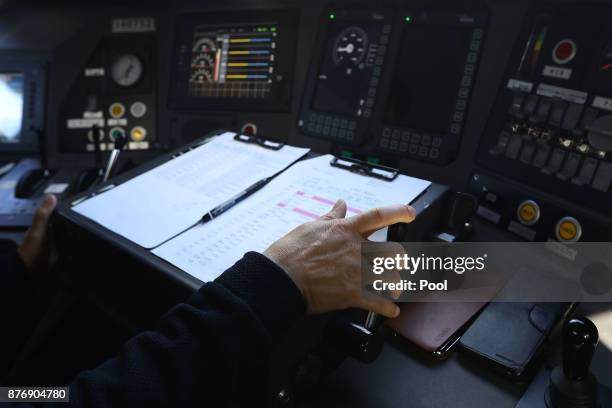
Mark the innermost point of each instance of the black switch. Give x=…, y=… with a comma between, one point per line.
x=600, y=133
x=586, y=172
x=541, y=113
x=574, y=110
x=590, y=114
x=529, y=107
x=570, y=167
x=557, y=113
x=529, y=148
x=541, y=155
x=555, y=162
x=603, y=178
x=518, y=98
x=514, y=147
x=502, y=144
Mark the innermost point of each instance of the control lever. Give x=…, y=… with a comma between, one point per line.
x=91, y=176
x=362, y=342
x=114, y=156
x=580, y=338
x=32, y=180
x=573, y=385
x=42, y=151
x=96, y=134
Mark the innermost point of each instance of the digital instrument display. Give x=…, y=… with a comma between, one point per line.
x=235, y=61
x=428, y=92
x=343, y=83
x=11, y=106
x=427, y=76
x=344, y=77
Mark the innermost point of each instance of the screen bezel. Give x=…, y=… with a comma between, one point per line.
x=280, y=100
x=402, y=37
x=450, y=143
x=362, y=124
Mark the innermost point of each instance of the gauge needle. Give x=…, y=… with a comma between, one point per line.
x=127, y=71
x=348, y=49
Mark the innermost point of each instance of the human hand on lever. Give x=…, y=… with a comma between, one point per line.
x=323, y=257
x=34, y=249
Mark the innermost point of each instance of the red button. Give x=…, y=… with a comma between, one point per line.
x=564, y=51
x=249, y=129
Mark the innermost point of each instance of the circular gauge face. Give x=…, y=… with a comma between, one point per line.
x=201, y=76
x=205, y=45
x=126, y=70
x=202, y=60
x=350, y=46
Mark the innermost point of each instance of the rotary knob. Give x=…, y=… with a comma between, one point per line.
x=600, y=133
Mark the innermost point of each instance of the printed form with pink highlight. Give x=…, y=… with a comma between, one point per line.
x=302, y=193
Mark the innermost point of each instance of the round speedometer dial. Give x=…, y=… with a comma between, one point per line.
x=350, y=46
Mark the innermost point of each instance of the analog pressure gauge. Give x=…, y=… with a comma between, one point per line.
x=126, y=70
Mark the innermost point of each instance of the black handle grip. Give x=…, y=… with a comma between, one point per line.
x=580, y=338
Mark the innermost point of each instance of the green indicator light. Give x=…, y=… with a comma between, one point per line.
x=407, y=19
x=116, y=134
x=272, y=29
x=332, y=16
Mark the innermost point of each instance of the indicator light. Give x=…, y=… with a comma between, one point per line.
x=332, y=16
x=407, y=19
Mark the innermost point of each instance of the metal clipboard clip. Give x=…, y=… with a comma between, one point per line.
x=365, y=169
x=268, y=144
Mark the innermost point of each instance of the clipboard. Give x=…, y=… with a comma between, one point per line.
x=112, y=269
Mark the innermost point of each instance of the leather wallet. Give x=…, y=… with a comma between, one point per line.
x=511, y=335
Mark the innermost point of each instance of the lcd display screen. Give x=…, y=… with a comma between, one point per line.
x=233, y=60
x=11, y=106
x=427, y=76
x=346, y=69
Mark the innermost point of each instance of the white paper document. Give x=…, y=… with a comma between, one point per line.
x=156, y=205
x=302, y=193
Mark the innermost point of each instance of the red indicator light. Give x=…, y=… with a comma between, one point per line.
x=564, y=51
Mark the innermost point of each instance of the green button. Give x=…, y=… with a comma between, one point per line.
x=116, y=133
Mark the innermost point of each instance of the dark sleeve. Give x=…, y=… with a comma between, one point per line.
x=19, y=312
x=211, y=351
x=14, y=281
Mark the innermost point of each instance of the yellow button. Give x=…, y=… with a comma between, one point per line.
x=116, y=110
x=138, y=133
x=568, y=229
x=528, y=212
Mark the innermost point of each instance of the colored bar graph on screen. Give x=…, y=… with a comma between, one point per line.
x=233, y=61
